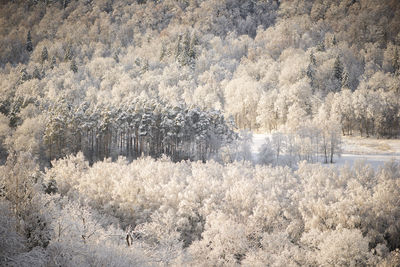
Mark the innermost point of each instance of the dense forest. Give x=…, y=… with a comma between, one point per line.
x=269, y=65
x=125, y=130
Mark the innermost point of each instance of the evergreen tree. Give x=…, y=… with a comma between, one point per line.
x=108, y=8
x=24, y=75
x=186, y=53
x=145, y=66
x=321, y=46
x=396, y=61
x=73, y=66
x=64, y=3
x=178, y=48
x=192, y=50
x=186, y=44
x=44, y=55
x=313, y=61
x=53, y=62
x=311, y=69
x=36, y=73
x=68, y=53
x=116, y=58
x=138, y=61
x=338, y=69
x=334, y=42
x=345, y=79
x=29, y=46
x=163, y=52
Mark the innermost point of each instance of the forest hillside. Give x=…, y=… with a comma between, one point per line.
x=110, y=69
x=126, y=131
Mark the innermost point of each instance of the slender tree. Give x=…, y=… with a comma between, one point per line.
x=45, y=55
x=338, y=69
x=73, y=66
x=396, y=61
x=29, y=46
x=53, y=62
x=68, y=53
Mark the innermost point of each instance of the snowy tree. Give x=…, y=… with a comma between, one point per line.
x=267, y=115
x=150, y=75
x=331, y=135
x=53, y=62
x=220, y=245
x=29, y=46
x=68, y=55
x=343, y=110
x=338, y=69
x=73, y=66
x=344, y=247
x=5, y=131
x=44, y=55
x=28, y=137
x=11, y=243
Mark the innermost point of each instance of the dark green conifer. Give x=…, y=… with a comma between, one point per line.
x=73, y=66
x=29, y=46
x=44, y=55
x=338, y=69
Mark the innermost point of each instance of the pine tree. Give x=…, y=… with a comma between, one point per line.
x=186, y=44
x=68, y=53
x=192, y=50
x=345, y=79
x=53, y=62
x=65, y=3
x=312, y=59
x=334, y=42
x=29, y=46
x=108, y=8
x=44, y=55
x=73, y=66
x=396, y=61
x=321, y=46
x=311, y=70
x=116, y=58
x=24, y=75
x=178, y=48
x=36, y=73
x=338, y=69
x=138, y=61
x=145, y=66
x=163, y=52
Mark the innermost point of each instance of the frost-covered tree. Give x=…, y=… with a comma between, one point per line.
x=5, y=131
x=338, y=70
x=73, y=66
x=330, y=135
x=160, y=78
x=53, y=62
x=44, y=55
x=29, y=46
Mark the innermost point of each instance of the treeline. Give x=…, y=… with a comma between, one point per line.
x=368, y=112
x=134, y=130
x=263, y=62
x=312, y=143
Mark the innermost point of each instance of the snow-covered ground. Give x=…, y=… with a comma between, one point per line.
x=258, y=141
x=373, y=151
